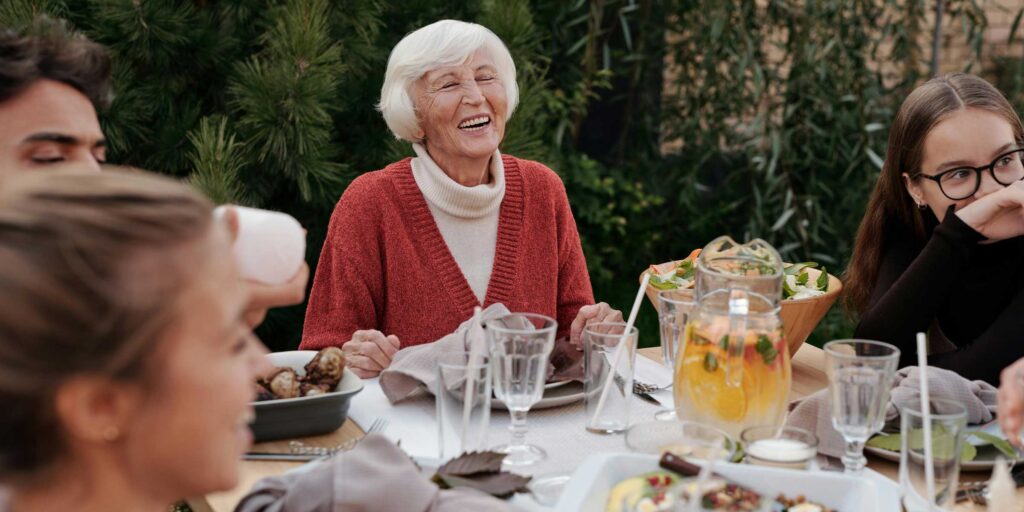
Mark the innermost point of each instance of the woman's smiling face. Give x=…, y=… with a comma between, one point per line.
x=462, y=110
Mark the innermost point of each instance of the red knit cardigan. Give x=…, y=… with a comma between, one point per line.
x=385, y=266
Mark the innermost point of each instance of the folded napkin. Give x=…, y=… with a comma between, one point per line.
x=415, y=367
x=978, y=397
x=362, y=479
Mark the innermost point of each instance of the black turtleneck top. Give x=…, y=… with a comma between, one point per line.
x=973, y=293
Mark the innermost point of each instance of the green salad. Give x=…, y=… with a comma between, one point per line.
x=796, y=280
x=797, y=283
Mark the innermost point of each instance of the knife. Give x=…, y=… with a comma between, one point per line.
x=290, y=457
x=648, y=398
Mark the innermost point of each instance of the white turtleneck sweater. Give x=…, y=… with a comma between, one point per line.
x=466, y=216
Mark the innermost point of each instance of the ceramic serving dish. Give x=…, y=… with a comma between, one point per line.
x=303, y=416
x=591, y=483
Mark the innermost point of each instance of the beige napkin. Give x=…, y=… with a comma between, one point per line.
x=363, y=479
x=978, y=397
x=416, y=367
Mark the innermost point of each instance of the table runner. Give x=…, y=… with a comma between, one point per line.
x=558, y=430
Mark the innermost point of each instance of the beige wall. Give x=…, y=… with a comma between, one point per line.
x=954, y=52
x=1000, y=14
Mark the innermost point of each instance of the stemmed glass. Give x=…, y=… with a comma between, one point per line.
x=520, y=344
x=674, y=308
x=860, y=375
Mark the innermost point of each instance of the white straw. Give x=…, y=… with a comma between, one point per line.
x=622, y=343
x=702, y=483
x=469, y=389
x=926, y=418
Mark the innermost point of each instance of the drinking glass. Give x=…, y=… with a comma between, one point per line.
x=609, y=353
x=463, y=403
x=860, y=374
x=948, y=421
x=520, y=344
x=683, y=438
x=674, y=308
x=779, y=447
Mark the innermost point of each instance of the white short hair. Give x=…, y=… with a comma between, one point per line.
x=440, y=44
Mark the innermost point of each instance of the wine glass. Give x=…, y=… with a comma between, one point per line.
x=860, y=375
x=674, y=308
x=520, y=344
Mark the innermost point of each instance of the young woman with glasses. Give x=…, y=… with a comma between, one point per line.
x=940, y=247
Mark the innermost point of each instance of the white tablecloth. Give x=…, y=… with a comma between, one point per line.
x=560, y=430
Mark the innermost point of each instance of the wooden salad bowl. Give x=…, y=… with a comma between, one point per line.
x=799, y=316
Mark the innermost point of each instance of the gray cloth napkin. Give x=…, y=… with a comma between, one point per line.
x=978, y=397
x=363, y=480
x=415, y=367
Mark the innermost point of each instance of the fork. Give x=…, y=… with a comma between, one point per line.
x=977, y=492
x=299, y=448
x=643, y=388
x=301, y=452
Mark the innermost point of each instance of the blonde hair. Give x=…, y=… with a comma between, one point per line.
x=78, y=294
x=440, y=44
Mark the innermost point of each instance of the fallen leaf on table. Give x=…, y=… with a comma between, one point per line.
x=480, y=471
x=471, y=463
x=887, y=442
x=1001, y=444
x=566, y=362
x=499, y=485
x=893, y=443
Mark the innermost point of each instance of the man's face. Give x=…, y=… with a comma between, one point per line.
x=47, y=125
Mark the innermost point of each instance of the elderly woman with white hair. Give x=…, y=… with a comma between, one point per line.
x=414, y=248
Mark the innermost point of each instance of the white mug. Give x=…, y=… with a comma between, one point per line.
x=270, y=246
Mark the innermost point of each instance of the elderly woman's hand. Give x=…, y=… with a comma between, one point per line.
x=369, y=352
x=1011, y=402
x=264, y=296
x=592, y=314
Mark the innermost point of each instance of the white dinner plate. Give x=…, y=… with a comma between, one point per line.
x=984, y=461
x=553, y=385
x=554, y=396
x=588, y=490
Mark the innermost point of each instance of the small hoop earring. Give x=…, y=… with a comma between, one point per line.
x=922, y=206
x=111, y=433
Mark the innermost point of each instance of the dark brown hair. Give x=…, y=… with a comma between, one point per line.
x=52, y=51
x=90, y=266
x=891, y=211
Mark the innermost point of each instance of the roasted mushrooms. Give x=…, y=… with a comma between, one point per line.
x=284, y=383
x=262, y=393
x=326, y=367
x=323, y=373
x=315, y=389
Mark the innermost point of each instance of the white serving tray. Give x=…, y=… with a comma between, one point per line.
x=588, y=490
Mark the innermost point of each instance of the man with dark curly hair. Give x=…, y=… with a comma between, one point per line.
x=51, y=85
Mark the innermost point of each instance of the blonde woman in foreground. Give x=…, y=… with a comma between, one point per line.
x=126, y=365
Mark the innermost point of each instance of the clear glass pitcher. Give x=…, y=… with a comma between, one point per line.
x=733, y=370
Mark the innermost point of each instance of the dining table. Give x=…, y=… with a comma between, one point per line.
x=808, y=377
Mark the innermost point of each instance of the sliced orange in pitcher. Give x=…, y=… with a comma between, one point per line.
x=704, y=382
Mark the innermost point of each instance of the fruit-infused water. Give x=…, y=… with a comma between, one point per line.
x=732, y=381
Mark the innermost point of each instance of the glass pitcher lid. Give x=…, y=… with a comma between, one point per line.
x=754, y=266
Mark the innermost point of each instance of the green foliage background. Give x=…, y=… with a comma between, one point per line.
x=772, y=122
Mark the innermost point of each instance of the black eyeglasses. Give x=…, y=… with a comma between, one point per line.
x=964, y=182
